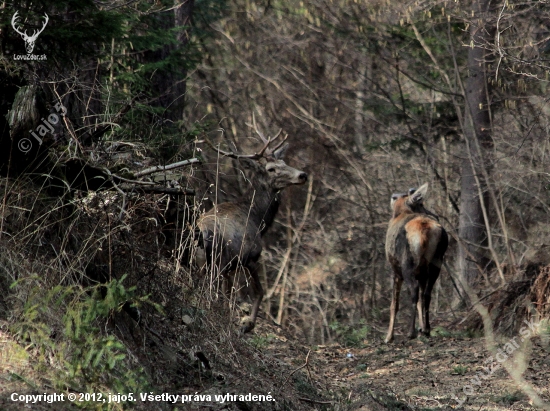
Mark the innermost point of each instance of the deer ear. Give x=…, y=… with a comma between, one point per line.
x=394, y=198
x=418, y=195
x=280, y=152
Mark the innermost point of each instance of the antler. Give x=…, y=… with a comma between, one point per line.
x=14, y=22
x=37, y=32
x=255, y=156
x=278, y=146
x=267, y=141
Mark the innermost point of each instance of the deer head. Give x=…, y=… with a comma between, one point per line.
x=277, y=174
x=29, y=40
x=411, y=202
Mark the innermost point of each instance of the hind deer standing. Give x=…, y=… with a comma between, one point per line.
x=415, y=245
x=232, y=231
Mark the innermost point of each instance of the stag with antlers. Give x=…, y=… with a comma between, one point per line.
x=232, y=231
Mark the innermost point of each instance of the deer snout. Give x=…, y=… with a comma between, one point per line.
x=303, y=177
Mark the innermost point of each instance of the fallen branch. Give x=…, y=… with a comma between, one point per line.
x=159, y=189
x=154, y=169
x=314, y=401
x=123, y=184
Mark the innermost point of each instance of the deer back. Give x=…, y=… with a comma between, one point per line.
x=414, y=233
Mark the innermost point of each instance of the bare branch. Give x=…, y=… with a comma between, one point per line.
x=154, y=169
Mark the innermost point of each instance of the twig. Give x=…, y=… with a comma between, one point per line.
x=159, y=189
x=297, y=369
x=454, y=283
x=426, y=399
x=117, y=188
x=154, y=169
x=501, y=54
x=314, y=401
x=295, y=238
x=127, y=180
x=105, y=126
x=156, y=334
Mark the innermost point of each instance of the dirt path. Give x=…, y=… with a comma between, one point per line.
x=443, y=372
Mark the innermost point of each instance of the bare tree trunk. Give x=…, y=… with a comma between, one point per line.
x=171, y=86
x=477, y=133
x=182, y=18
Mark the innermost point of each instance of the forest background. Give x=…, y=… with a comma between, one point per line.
x=375, y=96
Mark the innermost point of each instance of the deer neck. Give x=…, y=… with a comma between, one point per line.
x=263, y=202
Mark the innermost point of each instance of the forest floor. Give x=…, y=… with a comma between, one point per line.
x=421, y=374
x=425, y=374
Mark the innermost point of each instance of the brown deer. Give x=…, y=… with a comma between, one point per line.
x=232, y=231
x=415, y=245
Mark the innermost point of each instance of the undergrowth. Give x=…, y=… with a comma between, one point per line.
x=350, y=336
x=76, y=352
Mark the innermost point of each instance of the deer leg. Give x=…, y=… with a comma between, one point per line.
x=420, y=305
x=397, y=282
x=414, y=286
x=433, y=274
x=420, y=309
x=250, y=322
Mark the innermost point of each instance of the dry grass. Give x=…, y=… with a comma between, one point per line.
x=55, y=314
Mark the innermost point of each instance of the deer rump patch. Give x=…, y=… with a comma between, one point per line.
x=412, y=240
x=423, y=236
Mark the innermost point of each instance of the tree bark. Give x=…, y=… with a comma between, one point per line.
x=171, y=86
x=182, y=18
x=478, y=139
